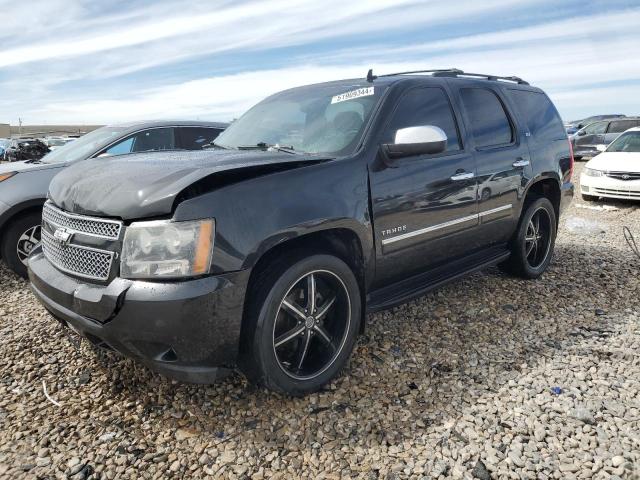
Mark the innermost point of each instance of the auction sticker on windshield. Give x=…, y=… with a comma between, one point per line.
x=360, y=92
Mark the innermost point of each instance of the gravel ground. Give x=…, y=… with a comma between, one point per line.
x=489, y=377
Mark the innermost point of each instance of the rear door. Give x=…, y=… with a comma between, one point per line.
x=616, y=127
x=502, y=160
x=424, y=206
x=194, y=138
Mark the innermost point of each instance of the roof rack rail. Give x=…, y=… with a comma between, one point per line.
x=448, y=72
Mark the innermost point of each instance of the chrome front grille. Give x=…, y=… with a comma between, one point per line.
x=77, y=260
x=97, y=227
x=80, y=245
x=623, y=175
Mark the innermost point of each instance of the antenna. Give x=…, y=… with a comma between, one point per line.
x=370, y=76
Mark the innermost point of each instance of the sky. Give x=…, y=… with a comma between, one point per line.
x=87, y=62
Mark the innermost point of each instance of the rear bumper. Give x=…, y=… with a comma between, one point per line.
x=566, y=195
x=584, y=151
x=188, y=330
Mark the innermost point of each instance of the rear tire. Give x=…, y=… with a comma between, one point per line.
x=294, y=342
x=20, y=237
x=532, y=246
x=589, y=198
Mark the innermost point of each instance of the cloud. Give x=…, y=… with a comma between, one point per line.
x=212, y=61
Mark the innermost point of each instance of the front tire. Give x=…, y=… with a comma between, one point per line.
x=532, y=246
x=21, y=236
x=302, y=324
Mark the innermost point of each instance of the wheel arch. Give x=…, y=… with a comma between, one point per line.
x=22, y=208
x=344, y=243
x=544, y=186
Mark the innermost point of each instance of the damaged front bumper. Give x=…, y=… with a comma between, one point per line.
x=187, y=330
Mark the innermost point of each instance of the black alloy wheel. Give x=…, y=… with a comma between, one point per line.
x=533, y=243
x=301, y=323
x=311, y=324
x=538, y=237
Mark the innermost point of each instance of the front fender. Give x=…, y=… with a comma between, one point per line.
x=260, y=213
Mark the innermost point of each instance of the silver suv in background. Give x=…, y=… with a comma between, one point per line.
x=586, y=140
x=24, y=185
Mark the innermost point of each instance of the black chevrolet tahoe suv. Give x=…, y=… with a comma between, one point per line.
x=319, y=205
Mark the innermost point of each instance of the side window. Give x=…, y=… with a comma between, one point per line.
x=620, y=126
x=193, y=138
x=540, y=115
x=596, y=128
x=121, y=147
x=425, y=106
x=145, y=141
x=490, y=125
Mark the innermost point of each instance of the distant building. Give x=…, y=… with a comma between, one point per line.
x=55, y=130
x=5, y=130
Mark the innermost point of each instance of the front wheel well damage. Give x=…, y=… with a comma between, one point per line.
x=340, y=242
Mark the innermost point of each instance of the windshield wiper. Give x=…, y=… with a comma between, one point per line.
x=33, y=160
x=213, y=145
x=266, y=146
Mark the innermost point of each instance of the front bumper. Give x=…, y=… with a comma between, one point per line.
x=609, y=187
x=187, y=330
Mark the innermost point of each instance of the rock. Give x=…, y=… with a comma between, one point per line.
x=584, y=415
x=480, y=471
x=516, y=459
x=184, y=433
x=617, y=461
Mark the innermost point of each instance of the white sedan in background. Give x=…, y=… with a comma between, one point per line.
x=615, y=173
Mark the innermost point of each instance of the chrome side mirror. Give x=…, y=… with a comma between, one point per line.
x=419, y=140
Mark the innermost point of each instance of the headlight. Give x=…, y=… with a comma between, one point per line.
x=590, y=172
x=167, y=249
x=5, y=176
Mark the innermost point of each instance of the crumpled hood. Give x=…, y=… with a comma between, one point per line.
x=146, y=184
x=616, y=162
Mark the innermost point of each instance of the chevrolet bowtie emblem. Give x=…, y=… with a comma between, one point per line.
x=63, y=235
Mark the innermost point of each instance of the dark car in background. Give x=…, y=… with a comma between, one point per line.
x=21, y=149
x=320, y=204
x=24, y=185
x=600, y=134
x=578, y=124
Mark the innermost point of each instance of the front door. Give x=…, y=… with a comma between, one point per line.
x=423, y=205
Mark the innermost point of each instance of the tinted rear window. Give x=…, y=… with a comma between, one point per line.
x=490, y=125
x=539, y=114
x=193, y=138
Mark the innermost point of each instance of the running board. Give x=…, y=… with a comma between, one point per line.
x=417, y=285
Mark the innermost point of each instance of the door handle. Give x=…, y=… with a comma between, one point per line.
x=463, y=176
x=521, y=162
